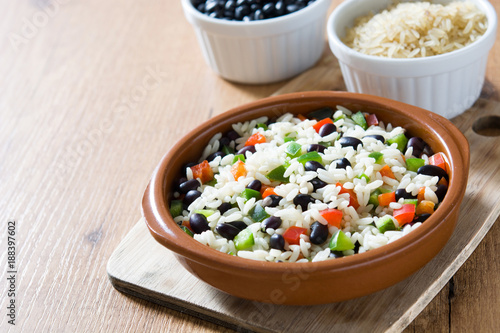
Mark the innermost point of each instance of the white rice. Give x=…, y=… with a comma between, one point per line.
x=417, y=29
x=358, y=224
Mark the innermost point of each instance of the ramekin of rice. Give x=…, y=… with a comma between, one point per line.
x=280, y=196
x=429, y=54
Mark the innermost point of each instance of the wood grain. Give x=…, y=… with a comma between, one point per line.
x=82, y=126
x=162, y=280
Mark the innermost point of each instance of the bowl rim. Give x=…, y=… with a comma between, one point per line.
x=166, y=231
x=341, y=50
x=301, y=15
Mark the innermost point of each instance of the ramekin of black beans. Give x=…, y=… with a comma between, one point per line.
x=259, y=41
x=249, y=10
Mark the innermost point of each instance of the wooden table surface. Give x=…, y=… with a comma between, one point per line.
x=92, y=94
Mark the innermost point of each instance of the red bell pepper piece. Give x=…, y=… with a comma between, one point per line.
x=439, y=160
x=405, y=214
x=387, y=172
x=203, y=172
x=333, y=216
x=353, y=199
x=371, y=119
x=255, y=139
x=292, y=234
x=267, y=191
x=238, y=170
x=320, y=124
x=385, y=199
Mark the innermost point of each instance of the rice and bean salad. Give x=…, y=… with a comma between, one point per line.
x=297, y=189
x=417, y=29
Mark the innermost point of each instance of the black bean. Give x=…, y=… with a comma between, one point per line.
x=241, y=2
x=280, y=8
x=342, y=163
x=441, y=191
x=418, y=145
x=432, y=170
x=316, y=147
x=401, y=193
x=246, y=18
x=327, y=129
x=241, y=11
x=178, y=182
x=292, y=8
x=210, y=6
x=421, y=218
x=191, y=196
x=336, y=254
x=189, y=185
x=313, y=166
x=228, y=14
x=227, y=230
x=188, y=165
x=258, y=15
x=273, y=222
x=201, y=7
x=238, y=224
x=428, y=151
x=376, y=137
x=224, y=207
x=272, y=200
x=230, y=5
x=277, y=242
x=243, y=150
x=232, y=135
x=213, y=156
x=317, y=183
x=255, y=185
x=269, y=9
x=319, y=233
x=224, y=141
x=303, y=200
x=198, y=223
x=349, y=141
x=254, y=7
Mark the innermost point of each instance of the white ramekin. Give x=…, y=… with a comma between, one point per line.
x=263, y=51
x=447, y=84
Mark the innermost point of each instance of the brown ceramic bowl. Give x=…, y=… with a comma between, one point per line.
x=304, y=283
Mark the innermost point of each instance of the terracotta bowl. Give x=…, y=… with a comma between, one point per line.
x=305, y=283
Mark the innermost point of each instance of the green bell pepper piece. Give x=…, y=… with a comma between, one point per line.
x=377, y=156
x=365, y=177
x=293, y=149
x=374, y=198
x=385, y=223
x=277, y=174
x=311, y=156
x=262, y=125
x=244, y=240
x=258, y=213
x=205, y=212
x=411, y=201
x=186, y=230
x=227, y=150
x=359, y=119
x=240, y=157
x=401, y=140
x=340, y=242
x=248, y=193
x=176, y=208
x=413, y=164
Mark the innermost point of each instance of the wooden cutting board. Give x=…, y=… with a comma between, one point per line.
x=143, y=268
